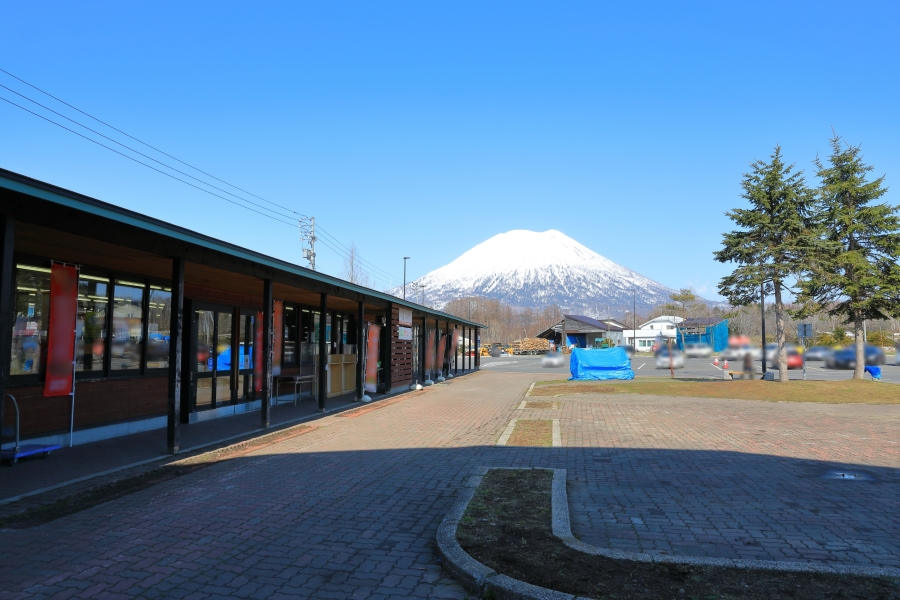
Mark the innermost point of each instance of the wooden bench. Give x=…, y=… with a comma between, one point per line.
x=749, y=374
x=298, y=381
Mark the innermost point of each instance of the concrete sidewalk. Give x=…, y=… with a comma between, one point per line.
x=79, y=463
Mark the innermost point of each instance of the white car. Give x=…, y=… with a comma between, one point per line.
x=663, y=362
x=698, y=350
x=738, y=352
x=553, y=359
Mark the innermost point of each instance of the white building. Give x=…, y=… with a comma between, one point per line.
x=647, y=333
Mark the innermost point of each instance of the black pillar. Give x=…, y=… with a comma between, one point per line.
x=322, y=374
x=268, y=339
x=456, y=354
x=423, y=339
x=478, y=351
x=176, y=337
x=7, y=285
x=467, y=361
x=360, y=340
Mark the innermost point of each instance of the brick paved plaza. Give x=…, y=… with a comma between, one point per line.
x=350, y=510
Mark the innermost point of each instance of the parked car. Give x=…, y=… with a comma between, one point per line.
x=817, y=353
x=794, y=359
x=772, y=350
x=845, y=358
x=663, y=362
x=698, y=350
x=553, y=359
x=738, y=352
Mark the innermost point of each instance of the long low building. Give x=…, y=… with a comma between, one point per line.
x=113, y=322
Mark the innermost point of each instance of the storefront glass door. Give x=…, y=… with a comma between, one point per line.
x=223, y=345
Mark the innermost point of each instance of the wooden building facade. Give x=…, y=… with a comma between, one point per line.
x=173, y=327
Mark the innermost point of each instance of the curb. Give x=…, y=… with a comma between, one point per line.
x=481, y=579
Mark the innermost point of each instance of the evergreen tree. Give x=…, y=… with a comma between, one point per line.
x=774, y=238
x=855, y=275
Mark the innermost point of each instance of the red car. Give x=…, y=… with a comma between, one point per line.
x=794, y=360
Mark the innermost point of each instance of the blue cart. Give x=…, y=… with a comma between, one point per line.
x=16, y=452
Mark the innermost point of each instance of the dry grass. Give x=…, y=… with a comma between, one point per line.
x=532, y=432
x=828, y=392
x=541, y=404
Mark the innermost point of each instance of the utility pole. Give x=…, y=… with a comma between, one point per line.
x=405, y=258
x=308, y=235
x=762, y=308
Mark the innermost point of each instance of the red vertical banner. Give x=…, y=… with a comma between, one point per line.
x=373, y=353
x=454, y=344
x=429, y=353
x=278, y=327
x=61, y=332
x=257, y=353
x=442, y=347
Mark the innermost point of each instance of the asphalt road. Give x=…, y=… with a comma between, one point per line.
x=645, y=366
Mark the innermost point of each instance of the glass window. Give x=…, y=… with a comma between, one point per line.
x=31, y=314
x=127, y=333
x=90, y=326
x=205, y=331
x=223, y=342
x=290, y=335
x=159, y=315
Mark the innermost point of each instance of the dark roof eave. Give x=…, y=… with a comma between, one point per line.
x=26, y=185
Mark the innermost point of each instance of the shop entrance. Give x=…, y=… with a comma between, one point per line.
x=222, y=351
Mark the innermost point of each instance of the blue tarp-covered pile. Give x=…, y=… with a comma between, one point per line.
x=716, y=336
x=612, y=363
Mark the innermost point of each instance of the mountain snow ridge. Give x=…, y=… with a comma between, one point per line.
x=535, y=269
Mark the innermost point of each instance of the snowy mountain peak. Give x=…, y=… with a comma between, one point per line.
x=536, y=269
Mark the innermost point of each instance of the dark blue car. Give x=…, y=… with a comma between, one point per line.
x=845, y=358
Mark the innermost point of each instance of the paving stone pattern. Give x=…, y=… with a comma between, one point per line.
x=351, y=509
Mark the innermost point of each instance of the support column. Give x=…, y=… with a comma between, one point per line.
x=268, y=340
x=7, y=285
x=176, y=340
x=423, y=340
x=478, y=352
x=456, y=354
x=467, y=361
x=360, y=339
x=322, y=374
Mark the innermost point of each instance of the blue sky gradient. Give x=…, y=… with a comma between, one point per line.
x=421, y=129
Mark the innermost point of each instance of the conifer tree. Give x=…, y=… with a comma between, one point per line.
x=854, y=275
x=774, y=238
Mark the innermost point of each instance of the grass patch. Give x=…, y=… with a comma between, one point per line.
x=849, y=391
x=91, y=497
x=541, y=404
x=507, y=526
x=532, y=432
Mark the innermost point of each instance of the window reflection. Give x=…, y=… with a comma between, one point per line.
x=90, y=326
x=127, y=337
x=31, y=313
x=159, y=316
x=205, y=332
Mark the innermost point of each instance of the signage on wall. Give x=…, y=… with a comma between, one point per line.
x=404, y=333
x=404, y=316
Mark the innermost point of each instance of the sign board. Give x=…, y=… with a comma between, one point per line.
x=404, y=317
x=804, y=330
x=404, y=333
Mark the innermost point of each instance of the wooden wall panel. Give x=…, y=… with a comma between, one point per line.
x=96, y=403
x=58, y=245
x=401, y=358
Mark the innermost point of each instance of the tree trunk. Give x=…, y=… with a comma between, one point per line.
x=779, y=334
x=860, y=369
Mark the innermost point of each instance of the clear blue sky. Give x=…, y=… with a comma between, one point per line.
x=424, y=128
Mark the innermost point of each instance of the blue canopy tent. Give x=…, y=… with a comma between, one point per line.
x=611, y=363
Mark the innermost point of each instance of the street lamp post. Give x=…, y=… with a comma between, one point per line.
x=405, y=258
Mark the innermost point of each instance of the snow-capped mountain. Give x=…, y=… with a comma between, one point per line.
x=537, y=269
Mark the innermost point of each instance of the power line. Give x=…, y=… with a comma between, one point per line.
x=147, y=156
x=345, y=254
x=141, y=142
x=143, y=163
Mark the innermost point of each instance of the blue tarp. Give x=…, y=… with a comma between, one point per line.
x=716, y=336
x=875, y=372
x=611, y=363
